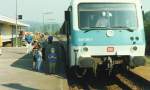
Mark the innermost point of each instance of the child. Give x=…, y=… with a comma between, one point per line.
x=37, y=56
x=33, y=54
x=52, y=58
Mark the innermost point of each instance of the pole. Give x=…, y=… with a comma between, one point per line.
x=43, y=22
x=46, y=13
x=16, y=21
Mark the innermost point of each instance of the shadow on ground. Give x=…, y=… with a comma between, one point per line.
x=26, y=63
x=18, y=86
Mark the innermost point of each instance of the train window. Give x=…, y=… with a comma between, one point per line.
x=107, y=15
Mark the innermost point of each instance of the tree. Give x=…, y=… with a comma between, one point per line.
x=147, y=30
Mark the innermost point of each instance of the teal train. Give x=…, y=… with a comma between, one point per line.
x=104, y=32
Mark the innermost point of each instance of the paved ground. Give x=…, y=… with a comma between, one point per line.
x=16, y=73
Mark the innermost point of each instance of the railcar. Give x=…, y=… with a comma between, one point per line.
x=109, y=32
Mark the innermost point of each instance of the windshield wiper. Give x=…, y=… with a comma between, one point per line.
x=95, y=28
x=108, y=28
x=124, y=27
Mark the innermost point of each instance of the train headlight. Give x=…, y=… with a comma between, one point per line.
x=85, y=49
x=134, y=48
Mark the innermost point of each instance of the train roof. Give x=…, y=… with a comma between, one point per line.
x=10, y=21
x=75, y=2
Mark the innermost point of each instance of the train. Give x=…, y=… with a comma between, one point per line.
x=104, y=32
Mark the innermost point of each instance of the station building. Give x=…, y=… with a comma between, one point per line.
x=8, y=28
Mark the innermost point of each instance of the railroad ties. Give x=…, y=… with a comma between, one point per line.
x=129, y=83
x=130, y=80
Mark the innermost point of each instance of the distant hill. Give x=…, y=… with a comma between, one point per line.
x=47, y=27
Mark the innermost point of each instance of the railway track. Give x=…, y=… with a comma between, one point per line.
x=133, y=81
x=130, y=81
x=125, y=80
x=130, y=84
x=121, y=81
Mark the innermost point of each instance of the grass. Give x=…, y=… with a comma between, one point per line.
x=147, y=60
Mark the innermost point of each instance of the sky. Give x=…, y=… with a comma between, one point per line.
x=33, y=10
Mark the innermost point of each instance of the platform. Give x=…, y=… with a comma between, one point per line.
x=16, y=73
x=143, y=71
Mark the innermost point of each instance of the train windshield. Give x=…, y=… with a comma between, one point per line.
x=96, y=16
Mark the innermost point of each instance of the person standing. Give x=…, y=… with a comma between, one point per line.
x=1, y=44
x=35, y=48
x=38, y=57
x=51, y=56
x=42, y=43
x=28, y=39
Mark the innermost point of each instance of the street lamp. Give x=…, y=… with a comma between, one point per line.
x=52, y=22
x=46, y=13
x=16, y=21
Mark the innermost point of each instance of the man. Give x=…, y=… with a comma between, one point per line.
x=102, y=20
x=42, y=43
x=51, y=56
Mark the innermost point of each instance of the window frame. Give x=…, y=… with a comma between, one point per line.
x=78, y=12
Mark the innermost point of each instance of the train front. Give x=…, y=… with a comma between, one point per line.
x=107, y=32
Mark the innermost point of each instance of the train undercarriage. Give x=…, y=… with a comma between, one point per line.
x=107, y=64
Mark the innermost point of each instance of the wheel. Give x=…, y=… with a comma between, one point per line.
x=76, y=72
x=80, y=72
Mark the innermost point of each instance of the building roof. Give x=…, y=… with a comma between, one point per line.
x=7, y=20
